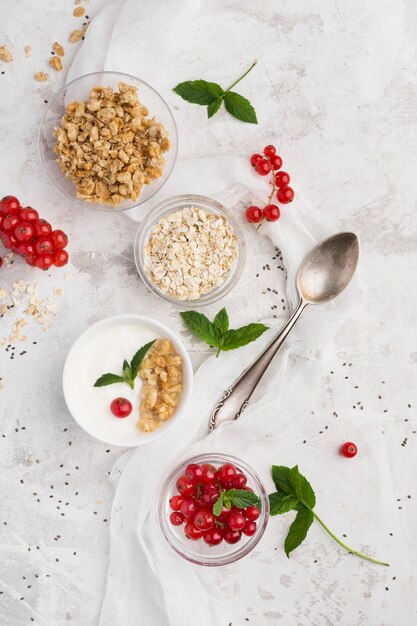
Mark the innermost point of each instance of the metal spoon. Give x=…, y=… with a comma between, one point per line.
x=323, y=274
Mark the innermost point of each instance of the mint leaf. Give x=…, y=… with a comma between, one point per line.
x=213, y=107
x=281, y=503
x=240, y=107
x=221, y=322
x=198, y=91
x=201, y=326
x=282, y=478
x=127, y=372
x=242, y=336
x=138, y=358
x=241, y=498
x=108, y=379
x=295, y=480
x=298, y=530
x=226, y=501
x=218, y=505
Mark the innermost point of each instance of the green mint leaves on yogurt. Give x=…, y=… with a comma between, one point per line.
x=217, y=333
x=294, y=493
x=130, y=370
x=212, y=96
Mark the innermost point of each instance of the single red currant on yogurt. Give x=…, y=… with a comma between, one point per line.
x=254, y=214
x=121, y=407
x=282, y=179
x=255, y=158
x=271, y=213
x=269, y=151
x=349, y=450
x=262, y=167
x=285, y=195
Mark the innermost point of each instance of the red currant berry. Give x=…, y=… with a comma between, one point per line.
x=255, y=158
x=9, y=241
x=276, y=162
x=10, y=221
x=263, y=167
x=213, y=537
x=189, y=507
x=9, y=204
x=59, y=239
x=42, y=228
x=349, y=450
x=23, y=231
x=269, y=151
x=285, y=195
x=191, y=532
x=193, y=473
x=204, y=519
x=271, y=213
x=232, y=536
x=30, y=260
x=226, y=474
x=28, y=214
x=253, y=214
x=43, y=245
x=209, y=474
x=184, y=486
x=239, y=481
x=44, y=261
x=282, y=179
x=121, y=407
x=175, y=502
x=176, y=518
x=252, y=513
x=236, y=520
x=60, y=258
x=211, y=494
x=249, y=528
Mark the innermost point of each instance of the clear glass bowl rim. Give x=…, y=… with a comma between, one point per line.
x=241, y=551
x=169, y=205
x=104, y=207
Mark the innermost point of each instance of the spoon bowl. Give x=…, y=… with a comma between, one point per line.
x=328, y=268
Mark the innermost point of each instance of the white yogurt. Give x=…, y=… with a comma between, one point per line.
x=100, y=350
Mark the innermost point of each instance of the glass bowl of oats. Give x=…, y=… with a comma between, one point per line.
x=108, y=141
x=189, y=250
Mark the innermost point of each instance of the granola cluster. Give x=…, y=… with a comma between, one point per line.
x=190, y=252
x=109, y=147
x=161, y=373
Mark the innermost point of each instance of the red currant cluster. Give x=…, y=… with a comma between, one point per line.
x=23, y=232
x=269, y=163
x=199, y=489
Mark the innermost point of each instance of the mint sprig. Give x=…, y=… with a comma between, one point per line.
x=241, y=498
x=294, y=492
x=217, y=333
x=212, y=95
x=130, y=371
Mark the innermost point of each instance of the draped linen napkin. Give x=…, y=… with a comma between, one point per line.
x=148, y=584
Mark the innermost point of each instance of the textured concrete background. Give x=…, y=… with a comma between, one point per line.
x=339, y=101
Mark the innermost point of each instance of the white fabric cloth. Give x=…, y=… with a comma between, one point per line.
x=148, y=584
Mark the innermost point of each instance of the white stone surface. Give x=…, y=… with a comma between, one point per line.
x=339, y=101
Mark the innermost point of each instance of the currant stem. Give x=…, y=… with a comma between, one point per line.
x=243, y=76
x=333, y=536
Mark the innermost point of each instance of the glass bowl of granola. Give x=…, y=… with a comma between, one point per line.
x=108, y=141
x=190, y=251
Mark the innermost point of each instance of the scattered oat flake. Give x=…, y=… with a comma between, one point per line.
x=92, y=255
x=28, y=51
x=5, y=54
x=76, y=35
x=58, y=49
x=3, y=294
x=41, y=77
x=78, y=11
x=1, y=386
x=58, y=291
x=56, y=63
x=67, y=276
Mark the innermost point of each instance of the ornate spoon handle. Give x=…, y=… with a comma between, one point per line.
x=235, y=400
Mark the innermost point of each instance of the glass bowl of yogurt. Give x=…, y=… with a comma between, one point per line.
x=158, y=394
